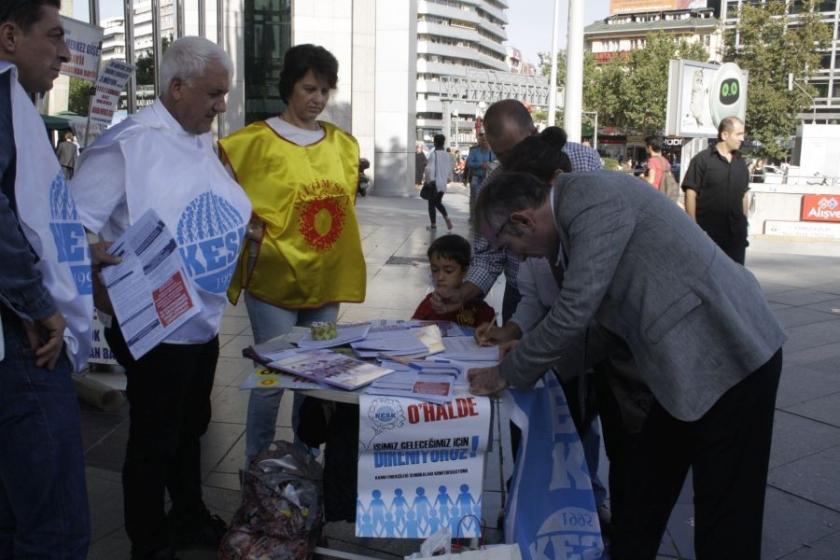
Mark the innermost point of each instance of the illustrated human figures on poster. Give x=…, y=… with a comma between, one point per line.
x=411, y=528
x=377, y=509
x=402, y=516
x=389, y=526
x=399, y=505
x=421, y=505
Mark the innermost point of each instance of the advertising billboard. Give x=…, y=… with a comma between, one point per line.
x=700, y=95
x=636, y=6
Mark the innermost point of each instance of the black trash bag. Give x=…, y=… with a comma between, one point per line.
x=281, y=515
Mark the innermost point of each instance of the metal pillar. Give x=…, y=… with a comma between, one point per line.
x=552, y=81
x=157, y=48
x=574, y=72
x=220, y=40
x=128, y=24
x=179, y=18
x=93, y=12
x=202, y=19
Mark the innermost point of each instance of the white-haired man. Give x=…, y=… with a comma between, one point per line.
x=162, y=159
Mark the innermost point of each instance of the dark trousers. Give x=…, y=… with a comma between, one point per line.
x=728, y=450
x=736, y=248
x=169, y=398
x=436, y=202
x=510, y=300
x=43, y=500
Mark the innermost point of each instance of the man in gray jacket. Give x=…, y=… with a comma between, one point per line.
x=701, y=334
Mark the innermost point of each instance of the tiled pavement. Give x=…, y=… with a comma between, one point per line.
x=802, y=520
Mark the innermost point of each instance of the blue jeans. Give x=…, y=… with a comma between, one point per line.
x=267, y=322
x=43, y=499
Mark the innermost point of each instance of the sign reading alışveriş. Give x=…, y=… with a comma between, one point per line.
x=421, y=466
x=820, y=208
x=85, y=43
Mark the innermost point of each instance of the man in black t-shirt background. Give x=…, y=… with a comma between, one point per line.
x=715, y=187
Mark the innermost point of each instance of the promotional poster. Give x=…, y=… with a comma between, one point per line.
x=421, y=466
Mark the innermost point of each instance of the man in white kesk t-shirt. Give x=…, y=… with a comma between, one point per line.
x=162, y=159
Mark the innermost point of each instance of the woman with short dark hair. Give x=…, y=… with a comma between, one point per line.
x=304, y=254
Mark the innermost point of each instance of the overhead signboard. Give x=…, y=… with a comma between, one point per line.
x=85, y=43
x=700, y=95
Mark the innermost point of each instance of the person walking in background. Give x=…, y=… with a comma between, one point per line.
x=419, y=165
x=716, y=186
x=439, y=170
x=304, y=251
x=67, y=151
x=479, y=164
x=162, y=159
x=657, y=165
x=45, y=304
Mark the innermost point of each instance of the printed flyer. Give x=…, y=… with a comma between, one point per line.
x=421, y=466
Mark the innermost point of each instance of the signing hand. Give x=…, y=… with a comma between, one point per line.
x=486, y=381
x=46, y=337
x=489, y=334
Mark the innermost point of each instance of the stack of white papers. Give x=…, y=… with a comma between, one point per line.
x=466, y=349
x=430, y=388
x=413, y=342
x=346, y=335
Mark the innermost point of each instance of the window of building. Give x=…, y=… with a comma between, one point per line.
x=268, y=34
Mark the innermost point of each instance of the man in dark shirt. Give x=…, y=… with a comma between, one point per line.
x=715, y=188
x=43, y=502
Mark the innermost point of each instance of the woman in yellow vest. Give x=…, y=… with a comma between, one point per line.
x=305, y=253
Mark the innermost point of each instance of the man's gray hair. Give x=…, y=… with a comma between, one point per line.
x=507, y=193
x=187, y=58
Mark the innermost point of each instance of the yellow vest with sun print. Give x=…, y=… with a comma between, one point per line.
x=310, y=253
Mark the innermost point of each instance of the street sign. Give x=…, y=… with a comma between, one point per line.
x=85, y=44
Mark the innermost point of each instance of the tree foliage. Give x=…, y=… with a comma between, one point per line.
x=144, y=66
x=79, y=99
x=630, y=91
x=771, y=43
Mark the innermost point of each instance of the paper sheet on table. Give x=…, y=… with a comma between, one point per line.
x=346, y=335
x=466, y=349
x=264, y=378
x=150, y=290
x=429, y=388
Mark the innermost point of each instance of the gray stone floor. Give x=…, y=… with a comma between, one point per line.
x=802, y=520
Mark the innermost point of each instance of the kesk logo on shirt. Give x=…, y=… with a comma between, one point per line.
x=69, y=234
x=209, y=235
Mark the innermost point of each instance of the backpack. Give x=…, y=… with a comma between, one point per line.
x=669, y=185
x=281, y=515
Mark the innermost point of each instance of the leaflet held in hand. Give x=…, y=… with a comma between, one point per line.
x=150, y=291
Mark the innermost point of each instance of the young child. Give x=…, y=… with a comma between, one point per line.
x=449, y=257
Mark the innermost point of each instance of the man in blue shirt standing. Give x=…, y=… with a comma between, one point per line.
x=43, y=501
x=480, y=162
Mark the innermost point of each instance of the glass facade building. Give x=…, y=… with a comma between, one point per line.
x=268, y=35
